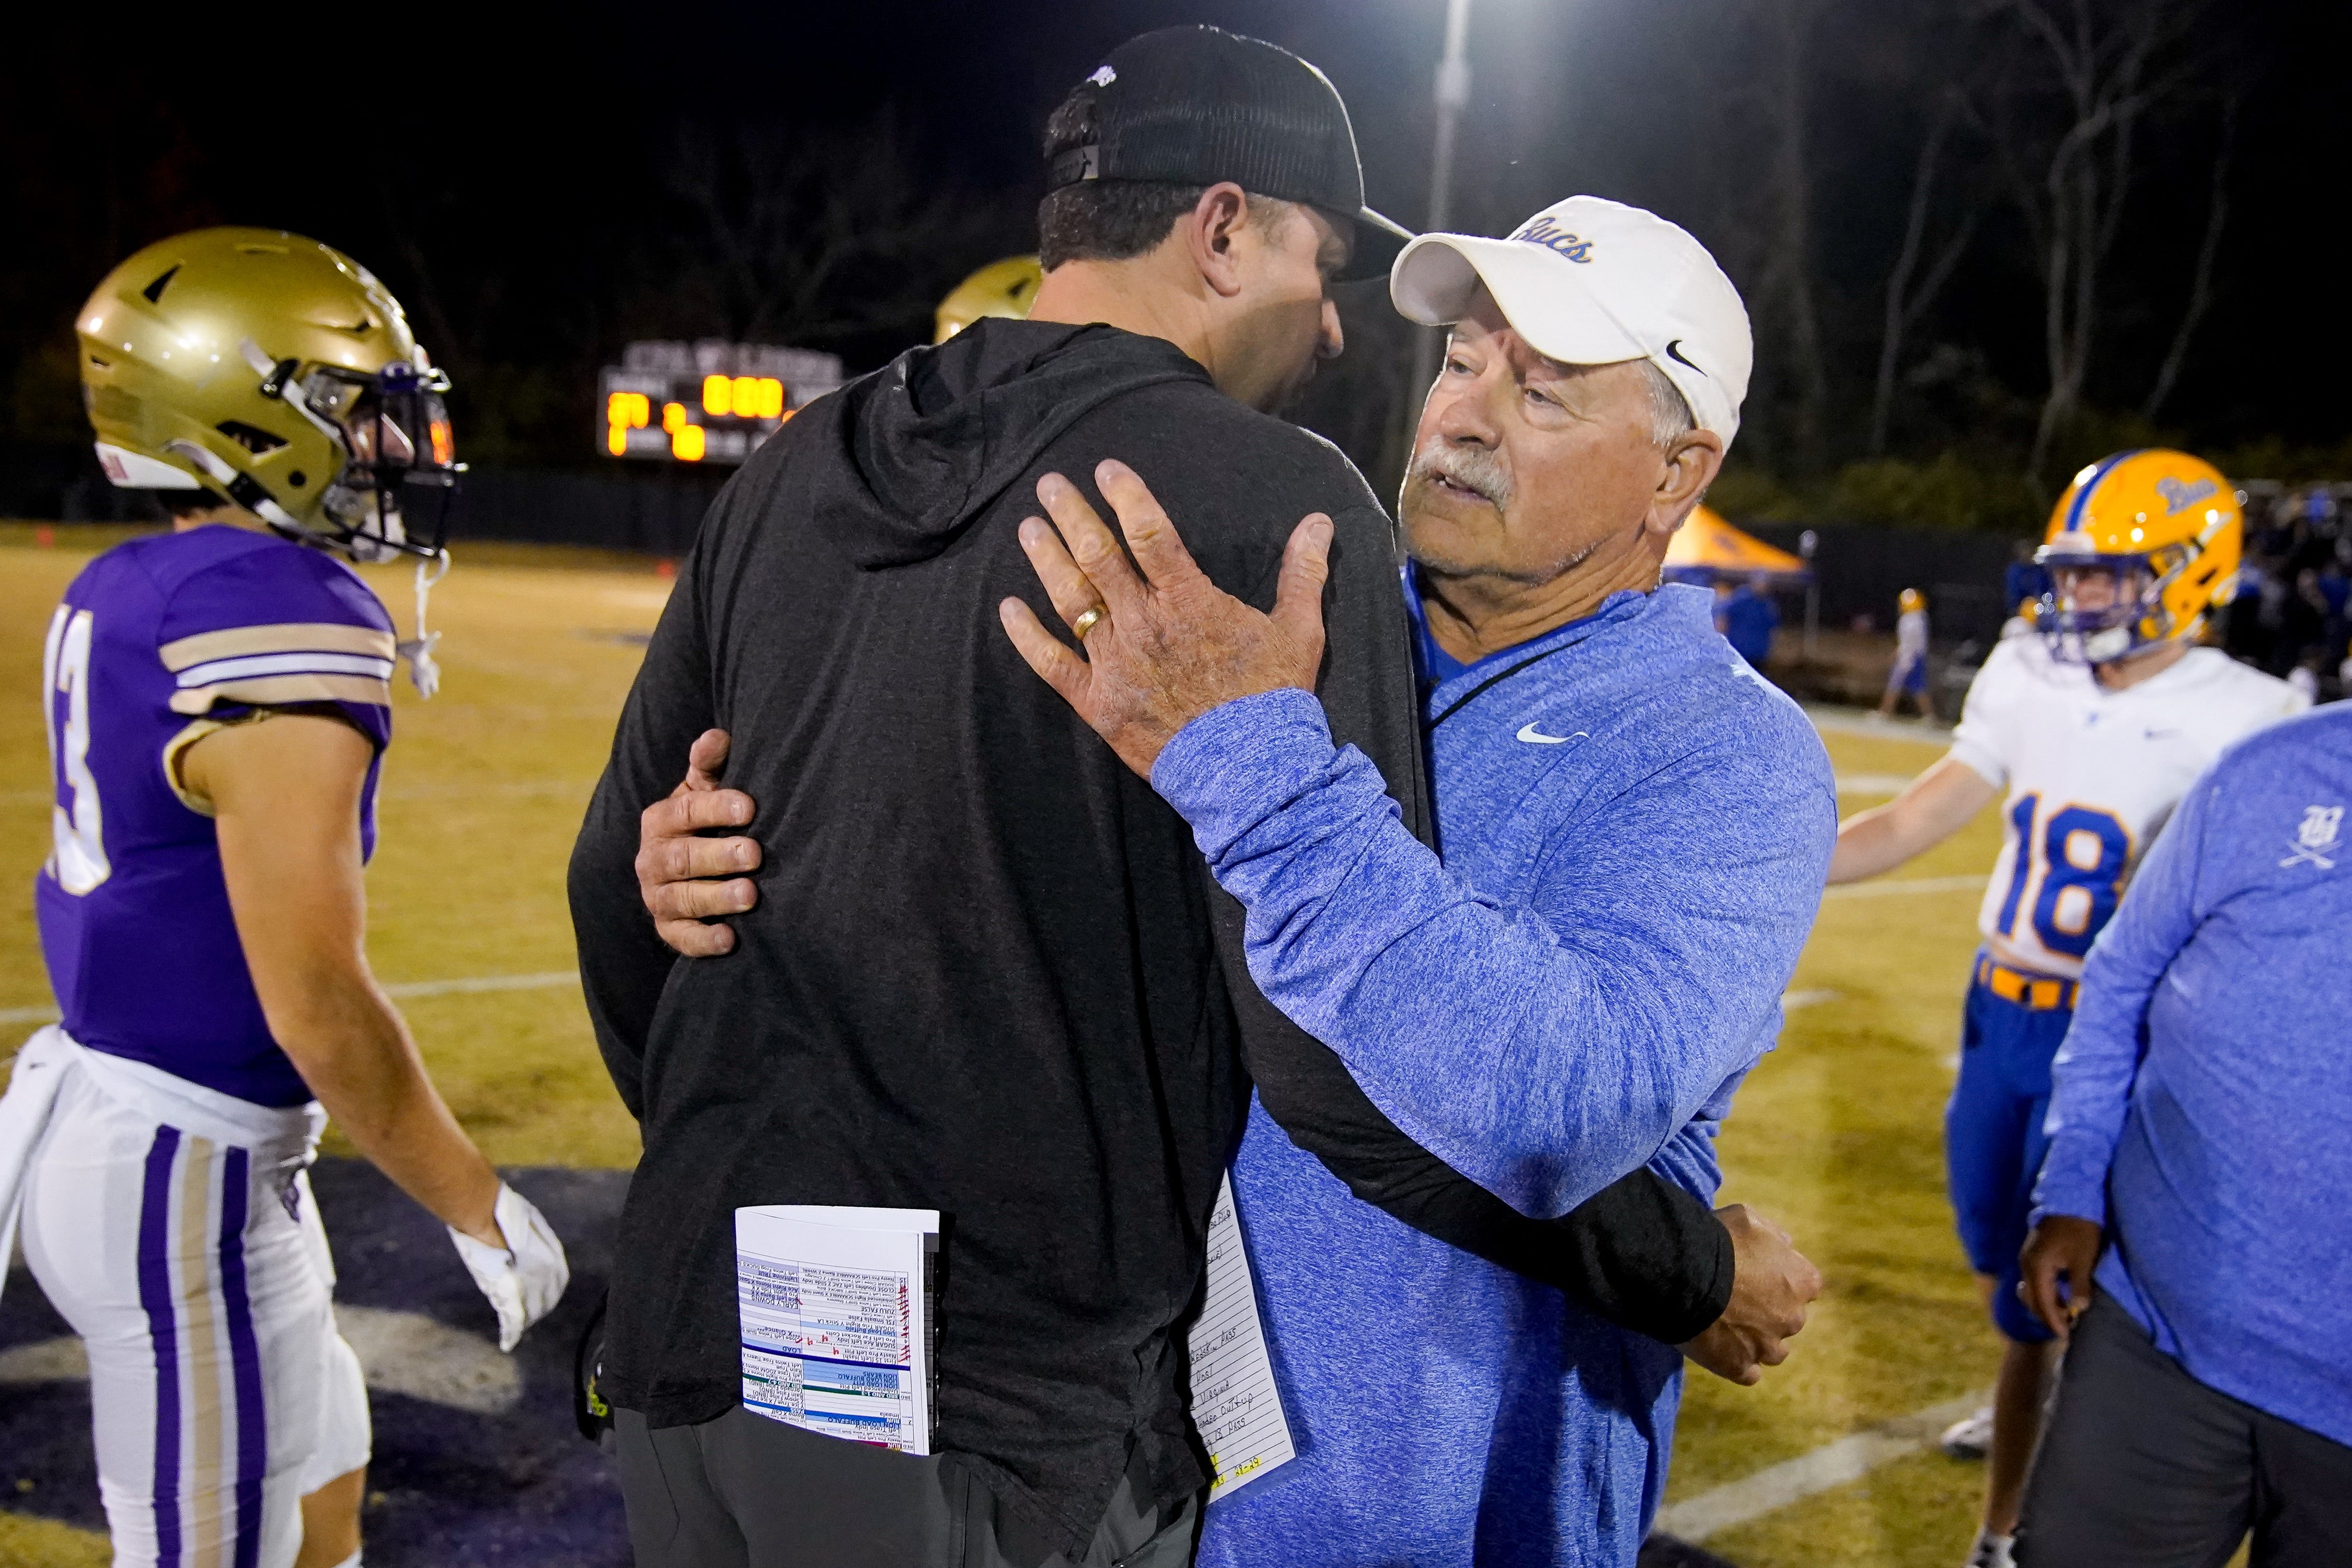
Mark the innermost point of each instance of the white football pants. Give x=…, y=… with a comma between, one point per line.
x=188, y=1255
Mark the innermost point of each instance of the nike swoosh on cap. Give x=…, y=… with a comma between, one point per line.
x=1535, y=737
x=1675, y=353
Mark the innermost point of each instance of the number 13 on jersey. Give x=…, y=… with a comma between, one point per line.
x=76, y=823
x=2077, y=857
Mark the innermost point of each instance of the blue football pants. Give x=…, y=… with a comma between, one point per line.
x=1993, y=1141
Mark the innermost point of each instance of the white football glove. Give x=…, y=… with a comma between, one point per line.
x=526, y=1277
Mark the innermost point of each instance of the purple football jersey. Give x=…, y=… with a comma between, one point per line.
x=157, y=643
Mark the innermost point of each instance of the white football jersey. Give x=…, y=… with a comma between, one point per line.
x=2091, y=776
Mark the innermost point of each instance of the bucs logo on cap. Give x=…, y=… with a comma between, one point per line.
x=1543, y=231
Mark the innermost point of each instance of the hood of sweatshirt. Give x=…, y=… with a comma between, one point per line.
x=930, y=440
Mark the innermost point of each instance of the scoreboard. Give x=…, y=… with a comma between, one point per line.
x=707, y=401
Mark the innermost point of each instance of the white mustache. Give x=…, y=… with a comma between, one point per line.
x=1472, y=467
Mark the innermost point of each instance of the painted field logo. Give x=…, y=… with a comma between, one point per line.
x=1551, y=237
x=2180, y=494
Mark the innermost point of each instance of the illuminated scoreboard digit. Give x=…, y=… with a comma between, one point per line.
x=705, y=402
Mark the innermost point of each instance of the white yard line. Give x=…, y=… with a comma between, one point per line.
x=1902, y=886
x=551, y=979
x=1872, y=783
x=1866, y=723
x=547, y=980
x=1833, y=1465
x=580, y=787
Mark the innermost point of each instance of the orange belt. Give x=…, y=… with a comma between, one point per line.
x=2034, y=992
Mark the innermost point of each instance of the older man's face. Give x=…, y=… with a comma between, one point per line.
x=1523, y=466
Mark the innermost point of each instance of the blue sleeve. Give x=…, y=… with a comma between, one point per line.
x=2091, y=1076
x=1542, y=1051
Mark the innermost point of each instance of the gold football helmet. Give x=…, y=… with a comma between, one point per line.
x=279, y=372
x=1006, y=287
x=2164, y=530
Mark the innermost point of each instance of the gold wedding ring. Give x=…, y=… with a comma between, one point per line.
x=1087, y=622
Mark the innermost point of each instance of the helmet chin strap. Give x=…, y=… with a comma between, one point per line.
x=242, y=488
x=418, y=650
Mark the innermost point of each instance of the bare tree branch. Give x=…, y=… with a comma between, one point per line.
x=2106, y=77
x=1904, y=304
x=1788, y=277
x=809, y=238
x=2201, y=287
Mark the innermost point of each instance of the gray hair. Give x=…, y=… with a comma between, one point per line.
x=1670, y=414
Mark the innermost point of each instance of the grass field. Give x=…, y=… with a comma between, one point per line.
x=1836, y=1134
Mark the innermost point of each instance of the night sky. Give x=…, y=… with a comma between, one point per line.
x=515, y=182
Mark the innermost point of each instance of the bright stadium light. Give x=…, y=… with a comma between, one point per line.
x=1452, y=97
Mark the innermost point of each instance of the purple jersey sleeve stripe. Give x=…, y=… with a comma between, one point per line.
x=299, y=636
x=244, y=1363
x=163, y=1333
x=213, y=672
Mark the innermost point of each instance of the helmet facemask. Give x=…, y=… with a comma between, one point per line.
x=400, y=469
x=2103, y=607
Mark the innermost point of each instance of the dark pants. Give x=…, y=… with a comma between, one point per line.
x=2144, y=1467
x=743, y=1492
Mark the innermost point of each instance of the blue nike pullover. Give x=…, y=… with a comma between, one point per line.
x=2199, y=1106
x=1636, y=829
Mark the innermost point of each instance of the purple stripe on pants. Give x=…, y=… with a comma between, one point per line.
x=163, y=1333
x=245, y=1362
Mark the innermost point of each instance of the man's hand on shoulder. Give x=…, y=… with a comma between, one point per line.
x=1164, y=645
x=1772, y=1284
x=689, y=881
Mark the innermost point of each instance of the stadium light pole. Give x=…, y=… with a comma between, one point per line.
x=1453, y=96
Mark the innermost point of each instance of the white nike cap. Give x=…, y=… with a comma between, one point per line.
x=1592, y=282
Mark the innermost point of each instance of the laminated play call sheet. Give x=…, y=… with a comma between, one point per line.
x=837, y=1320
x=1234, y=1403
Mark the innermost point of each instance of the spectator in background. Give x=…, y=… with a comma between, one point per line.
x=2335, y=592
x=2334, y=586
x=2244, y=636
x=1910, y=671
x=2303, y=623
x=1748, y=618
x=2195, y=1121
x=2024, y=582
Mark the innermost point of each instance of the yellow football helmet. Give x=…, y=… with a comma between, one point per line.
x=2163, y=530
x=1006, y=287
x=278, y=372
x=1910, y=599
